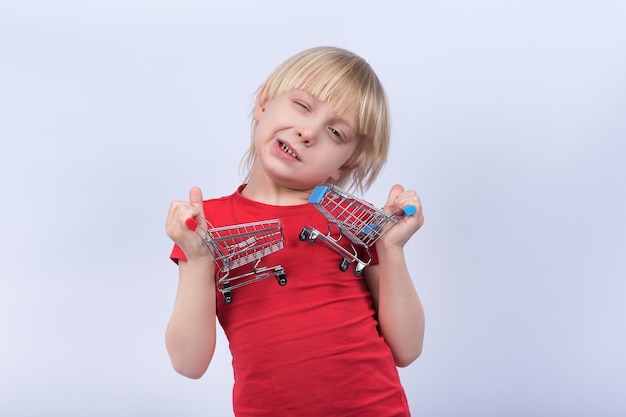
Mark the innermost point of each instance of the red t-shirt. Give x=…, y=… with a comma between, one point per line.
x=311, y=347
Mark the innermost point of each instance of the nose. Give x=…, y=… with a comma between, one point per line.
x=307, y=134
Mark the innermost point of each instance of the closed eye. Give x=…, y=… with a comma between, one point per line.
x=303, y=105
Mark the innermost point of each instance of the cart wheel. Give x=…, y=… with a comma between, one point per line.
x=307, y=235
x=282, y=279
x=343, y=265
x=358, y=270
x=228, y=297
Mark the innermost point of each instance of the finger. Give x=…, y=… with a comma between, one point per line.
x=179, y=211
x=195, y=198
x=196, y=203
x=391, y=204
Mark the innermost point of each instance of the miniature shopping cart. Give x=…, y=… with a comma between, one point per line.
x=242, y=244
x=357, y=220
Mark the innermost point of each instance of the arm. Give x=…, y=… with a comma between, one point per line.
x=190, y=333
x=400, y=312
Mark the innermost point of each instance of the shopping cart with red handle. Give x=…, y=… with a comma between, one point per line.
x=356, y=219
x=242, y=244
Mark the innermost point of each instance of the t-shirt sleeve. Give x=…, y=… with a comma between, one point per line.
x=177, y=254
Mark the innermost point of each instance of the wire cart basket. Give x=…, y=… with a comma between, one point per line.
x=356, y=219
x=242, y=244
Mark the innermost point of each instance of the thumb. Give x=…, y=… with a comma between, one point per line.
x=195, y=199
x=391, y=204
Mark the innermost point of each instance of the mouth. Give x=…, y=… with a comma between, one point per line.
x=286, y=149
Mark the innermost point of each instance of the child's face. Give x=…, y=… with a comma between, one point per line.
x=302, y=142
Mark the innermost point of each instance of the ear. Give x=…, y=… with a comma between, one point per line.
x=336, y=175
x=343, y=170
x=260, y=103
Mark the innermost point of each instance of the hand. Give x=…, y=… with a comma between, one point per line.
x=176, y=224
x=407, y=225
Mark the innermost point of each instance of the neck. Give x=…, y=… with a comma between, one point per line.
x=269, y=192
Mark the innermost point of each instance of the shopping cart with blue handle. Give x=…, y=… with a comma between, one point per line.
x=356, y=219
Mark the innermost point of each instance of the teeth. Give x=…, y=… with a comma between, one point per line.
x=288, y=151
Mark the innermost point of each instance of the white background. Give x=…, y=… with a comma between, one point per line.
x=509, y=119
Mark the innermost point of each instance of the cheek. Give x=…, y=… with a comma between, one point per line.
x=259, y=133
x=345, y=156
x=336, y=162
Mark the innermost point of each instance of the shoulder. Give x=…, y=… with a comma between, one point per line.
x=220, y=209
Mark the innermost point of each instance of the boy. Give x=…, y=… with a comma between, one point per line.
x=327, y=343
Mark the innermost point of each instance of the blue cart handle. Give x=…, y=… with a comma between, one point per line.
x=408, y=211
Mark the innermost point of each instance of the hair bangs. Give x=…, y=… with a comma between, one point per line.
x=327, y=80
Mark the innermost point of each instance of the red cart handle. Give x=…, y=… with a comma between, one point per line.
x=192, y=224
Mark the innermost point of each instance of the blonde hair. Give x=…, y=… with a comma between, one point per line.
x=349, y=84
